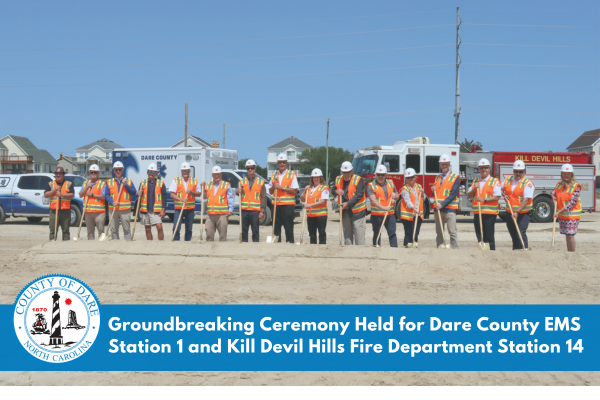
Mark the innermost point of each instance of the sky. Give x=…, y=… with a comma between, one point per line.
x=382, y=71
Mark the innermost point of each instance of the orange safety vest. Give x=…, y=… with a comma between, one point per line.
x=491, y=207
x=315, y=197
x=157, y=196
x=125, y=200
x=362, y=203
x=564, y=194
x=516, y=197
x=251, y=197
x=380, y=195
x=190, y=203
x=405, y=212
x=65, y=204
x=284, y=198
x=95, y=205
x=217, y=203
x=443, y=189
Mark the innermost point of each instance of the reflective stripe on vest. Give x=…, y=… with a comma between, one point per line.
x=564, y=194
x=217, y=202
x=362, y=203
x=516, y=197
x=251, y=197
x=380, y=196
x=95, y=205
x=157, y=196
x=190, y=203
x=444, y=188
x=284, y=199
x=405, y=212
x=490, y=207
x=65, y=204
x=313, y=198
x=125, y=200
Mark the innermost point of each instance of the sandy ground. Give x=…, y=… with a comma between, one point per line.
x=231, y=273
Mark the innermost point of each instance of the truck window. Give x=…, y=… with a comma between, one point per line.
x=365, y=165
x=432, y=165
x=27, y=182
x=414, y=161
x=232, y=179
x=75, y=180
x=42, y=182
x=393, y=161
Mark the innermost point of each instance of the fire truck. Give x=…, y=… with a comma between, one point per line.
x=543, y=169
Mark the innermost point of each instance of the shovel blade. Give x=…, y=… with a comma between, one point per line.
x=415, y=245
x=74, y=238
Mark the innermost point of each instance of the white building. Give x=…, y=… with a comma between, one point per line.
x=192, y=141
x=98, y=152
x=588, y=141
x=292, y=147
x=18, y=155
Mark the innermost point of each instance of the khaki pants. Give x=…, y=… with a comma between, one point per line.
x=94, y=221
x=216, y=222
x=449, y=219
x=123, y=217
x=64, y=223
x=354, y=231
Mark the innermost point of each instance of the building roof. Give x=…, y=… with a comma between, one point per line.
x=3, y=146
x=103, y=143
x=587, y=138
x=39, y=155
x=294, y=141
x=199, y=140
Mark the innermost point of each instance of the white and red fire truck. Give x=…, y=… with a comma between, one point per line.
x=543, y=169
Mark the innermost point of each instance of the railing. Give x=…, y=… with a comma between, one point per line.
x=16, y=159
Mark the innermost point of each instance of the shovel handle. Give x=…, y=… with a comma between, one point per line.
x=179, y=219
x=87, y=198
x=114, y=211
x=137, y=210
x=516, y=224
x=554, y=225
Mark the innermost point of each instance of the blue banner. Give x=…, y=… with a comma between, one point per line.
x=326, y=338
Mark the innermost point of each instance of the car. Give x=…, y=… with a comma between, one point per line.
x=22, y=195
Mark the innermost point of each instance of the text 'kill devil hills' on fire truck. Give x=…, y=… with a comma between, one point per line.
x=543, y=169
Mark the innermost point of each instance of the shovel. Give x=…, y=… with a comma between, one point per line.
x=416, y=220
x=273, y=238
x=137, y=211
x=516, y=225
x=201, y=213
x=104, y=236
x=303, y=220
x=340, y=210
x=179, y=219
x=56, y=216
x=554, y=225
x=76, y=238
x=241, y=221
x=381, y=228
x=481, y=245
x=444, y=245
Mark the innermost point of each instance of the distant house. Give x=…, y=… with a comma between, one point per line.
x=192, y=141
x=68, y=163
x=98, y=152
x=292, y=147
x=588, y=141
x=18, y=155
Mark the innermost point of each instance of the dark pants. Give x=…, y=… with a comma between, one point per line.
x=390, y=227
x=187, y=220
x=64, y=223
x=523, y=222
x=250, y=219
x=409, y=226
x=314, y=224
x=285, y=217
x=489, y=222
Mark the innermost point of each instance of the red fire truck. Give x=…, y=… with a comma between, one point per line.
x=543, y=169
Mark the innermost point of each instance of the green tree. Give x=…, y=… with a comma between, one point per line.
x=315, y=158
x=259, y=170
x=467, y=145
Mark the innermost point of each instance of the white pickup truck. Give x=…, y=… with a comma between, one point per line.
x=23, y=196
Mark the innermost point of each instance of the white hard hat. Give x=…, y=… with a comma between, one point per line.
x=381, y=169
x=118, y=164
x=444, y=158
x=152, y=167
x=519, y=165
x=185, y=166
x=316, y=172
x=250, y=163
x=216, y=169
x=346, y=166
x=409, y=173
x=566, y=168
x=484, y=162
x=94, y=167
x=282, y=157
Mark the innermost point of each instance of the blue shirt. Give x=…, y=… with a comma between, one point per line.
x=106, y=190
x=453, y=194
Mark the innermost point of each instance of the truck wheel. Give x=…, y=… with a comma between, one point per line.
x=543, y=209
x=504, y=216
x=75, y=215
x=34, y=220
x=397, y=211
x=2, y=215
x=171, y=217
x=267, y=219
x=426, y=208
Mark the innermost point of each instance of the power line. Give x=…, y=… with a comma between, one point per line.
x=534, y=65
x=533, y=111
x=527, y=45
x=534, y=26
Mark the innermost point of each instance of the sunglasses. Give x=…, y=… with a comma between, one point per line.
x=380, y=174
x=153, y=172
x=118, y=169
x=93, y=172
x=518, y=172
x=483, y=167
x=281, y=162
x=250, y=168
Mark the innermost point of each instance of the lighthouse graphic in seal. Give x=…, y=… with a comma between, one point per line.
x=55, y=332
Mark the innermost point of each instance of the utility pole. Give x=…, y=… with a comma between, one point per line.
x=457, y=95
x=224, y=136
x=185, y=140
x=327, y=155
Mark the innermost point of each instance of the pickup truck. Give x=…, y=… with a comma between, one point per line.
x=23, y=196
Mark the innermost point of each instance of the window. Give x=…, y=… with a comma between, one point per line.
x=42, y=182
x=107, y=168
x=108, y=154
x=87, y=154
x=232, y=179
x=291, y=155
x=365, y=165
x=432, y=165
x=37, y=168
x=75, y=180
x=414, y=161
x=27, y=182
x=392, y=161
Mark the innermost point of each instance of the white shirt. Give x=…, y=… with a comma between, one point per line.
x=527, y=190
x=324, y=193
x=173, y=187
x=281, y=174
x=497, y=188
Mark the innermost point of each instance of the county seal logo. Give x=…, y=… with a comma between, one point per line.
x=57, y=318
